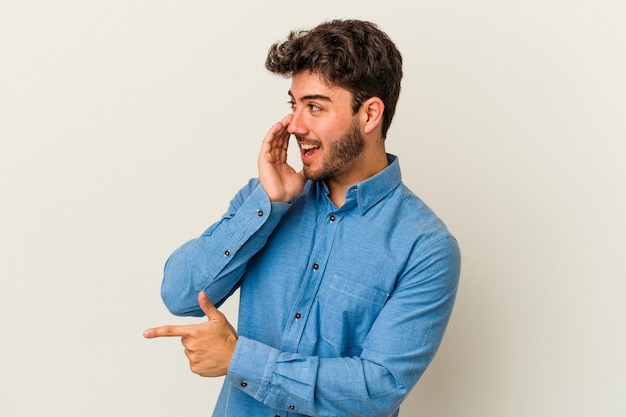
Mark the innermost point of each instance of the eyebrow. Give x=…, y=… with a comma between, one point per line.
x=312, y=97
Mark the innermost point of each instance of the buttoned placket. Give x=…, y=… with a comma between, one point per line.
x=308, y=292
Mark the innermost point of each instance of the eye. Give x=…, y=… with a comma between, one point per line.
x=292, y=105
x=314, y=108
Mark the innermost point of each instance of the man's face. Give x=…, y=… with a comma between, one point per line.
x=327, y=132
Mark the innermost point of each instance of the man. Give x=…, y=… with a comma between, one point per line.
x=346, y=278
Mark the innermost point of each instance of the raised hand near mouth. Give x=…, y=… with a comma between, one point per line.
x=280, y=180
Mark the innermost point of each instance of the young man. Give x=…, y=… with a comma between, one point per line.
x=346, y=278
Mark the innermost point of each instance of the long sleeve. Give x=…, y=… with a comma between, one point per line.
x=216, y=260
x=341, y=308
x=396, y=351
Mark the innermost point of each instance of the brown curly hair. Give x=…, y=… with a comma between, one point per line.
x=351, y=54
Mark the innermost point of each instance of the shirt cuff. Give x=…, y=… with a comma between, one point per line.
x=251, y=367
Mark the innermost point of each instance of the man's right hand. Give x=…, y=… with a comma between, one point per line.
x=280, y=181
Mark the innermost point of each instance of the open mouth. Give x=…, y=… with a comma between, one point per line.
x=308, y=150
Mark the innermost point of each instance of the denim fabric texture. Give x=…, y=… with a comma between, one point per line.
x=341, y=309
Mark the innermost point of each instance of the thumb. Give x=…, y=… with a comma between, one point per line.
x=207, y=307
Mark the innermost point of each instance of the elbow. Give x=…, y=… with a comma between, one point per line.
x=179, y=305
x=178, y=295
x=172, y=302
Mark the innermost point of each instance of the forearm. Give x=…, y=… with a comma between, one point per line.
x=371, y=380
x=314, y=386
x=215, y=261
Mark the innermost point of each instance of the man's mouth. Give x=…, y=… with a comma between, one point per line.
x=308, y=149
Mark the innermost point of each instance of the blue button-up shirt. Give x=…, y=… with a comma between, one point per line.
x=341, y=309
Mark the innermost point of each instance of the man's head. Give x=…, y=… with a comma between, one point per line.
x=351, y=54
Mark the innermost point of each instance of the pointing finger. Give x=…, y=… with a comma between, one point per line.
x=165, y=331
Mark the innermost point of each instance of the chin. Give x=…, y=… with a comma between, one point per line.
x=312, y=175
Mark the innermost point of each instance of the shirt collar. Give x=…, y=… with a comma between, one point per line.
x=370, y=191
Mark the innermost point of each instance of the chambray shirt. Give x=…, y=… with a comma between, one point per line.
x=341, y=309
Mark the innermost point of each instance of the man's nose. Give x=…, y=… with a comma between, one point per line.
x=296, y=125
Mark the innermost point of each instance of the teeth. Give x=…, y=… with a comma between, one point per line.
x=307, y=147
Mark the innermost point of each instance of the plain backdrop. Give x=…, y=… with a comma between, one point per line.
x=127, y=126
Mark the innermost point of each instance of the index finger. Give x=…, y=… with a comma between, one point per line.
x=279, y=129
x=165, y=331
x=286, y=120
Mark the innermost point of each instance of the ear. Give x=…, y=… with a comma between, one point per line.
x=373, y=109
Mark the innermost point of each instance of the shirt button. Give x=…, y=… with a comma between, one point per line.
x=244, y=384
x=277, y=415
x=316, y=266
x=333, y=218
x=298, y=316
x=259, y=213
x=227, y=253
x=292, y=407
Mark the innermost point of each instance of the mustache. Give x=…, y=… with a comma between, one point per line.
x=302, y=139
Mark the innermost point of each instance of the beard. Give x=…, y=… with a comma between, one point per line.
x=341, y=152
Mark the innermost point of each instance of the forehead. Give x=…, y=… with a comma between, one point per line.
x=305, y=85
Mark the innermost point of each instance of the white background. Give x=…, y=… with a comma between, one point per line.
x=126, y=127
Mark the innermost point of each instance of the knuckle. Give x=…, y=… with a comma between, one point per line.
x=195, y=368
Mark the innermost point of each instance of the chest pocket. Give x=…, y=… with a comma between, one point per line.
x=349, y=309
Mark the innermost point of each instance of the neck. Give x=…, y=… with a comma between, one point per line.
x=338, y=186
